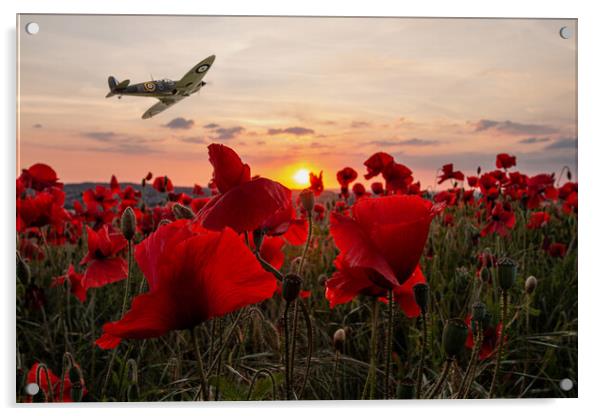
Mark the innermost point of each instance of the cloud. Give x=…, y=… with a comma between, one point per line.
x=125, y=148
x=37, y=126
x=511, y=127
x=360, y=124
x=296, y=131
x=101, y=136
x=227, y=133
x=193, y=139
x=211, y=126
x=566, y=143
x=180, y=123
x=407, y=142
x=533, y=140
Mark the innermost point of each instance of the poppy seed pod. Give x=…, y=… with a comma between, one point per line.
x=181, y=212
x=405, y=389
x=307, y=199
x=338, y=339
x=128, y=223
x=23, y=270
x=322, y=279
x=506, y=272
x=479, y=311
x=291, y=286
x=421, y=295
x=530, y=284
x=455, y=333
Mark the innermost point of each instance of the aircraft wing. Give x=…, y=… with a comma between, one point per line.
x=191, y=82
x=162, y=105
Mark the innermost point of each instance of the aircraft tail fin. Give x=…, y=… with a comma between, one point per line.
x=116, y=86
x=112, y=85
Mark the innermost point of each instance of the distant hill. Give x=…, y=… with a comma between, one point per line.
x=74, y=191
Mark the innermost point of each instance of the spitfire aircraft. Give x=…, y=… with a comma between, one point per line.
x=168, y=92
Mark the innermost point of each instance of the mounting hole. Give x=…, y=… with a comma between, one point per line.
x=32, y=28
x=566, y=384
x=32, y=389
x=566, y=32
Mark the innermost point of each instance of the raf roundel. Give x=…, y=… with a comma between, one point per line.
x=202, y=68
x=149, y=86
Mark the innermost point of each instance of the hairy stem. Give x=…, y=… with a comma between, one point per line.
x=199, y=358
x=444, y=373
x=389, y=343
x=423, y=341
x=500, y=350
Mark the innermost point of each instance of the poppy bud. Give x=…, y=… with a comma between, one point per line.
x=485, y=275
x=181, y=212
x=530, y=284
x=479, y=170
x=23, y=270
x=128, y=223
x=143, y=182
x=455, y=333
x=338, y=339
x=506, y=272
x=291, y=286
x=77, y=392
x=421, y=295
x=569, y=175
x=322, y=279
x=75, y=374
x=307, y=199
x=405, y=389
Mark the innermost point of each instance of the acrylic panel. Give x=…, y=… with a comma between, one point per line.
x=295, y=208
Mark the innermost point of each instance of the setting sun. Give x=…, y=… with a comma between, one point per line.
x=301, y=177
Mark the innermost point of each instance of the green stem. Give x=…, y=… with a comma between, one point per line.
x=254, y=379
x=127, y=280
x=310, y=345
x=472, y=365
x=423, y=342
x=389, y=348
x=500, y=350
x=307, y=242
x=287, y=381
x=473, y=357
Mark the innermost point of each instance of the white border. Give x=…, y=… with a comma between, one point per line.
x=590, y=174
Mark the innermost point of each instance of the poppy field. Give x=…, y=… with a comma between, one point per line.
x=247, y=290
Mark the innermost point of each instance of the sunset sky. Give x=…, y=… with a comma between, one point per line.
x=297, y=93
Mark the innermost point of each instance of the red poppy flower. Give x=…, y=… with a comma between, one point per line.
x=315, y=183
x=114, y=185
x=193, y=275
x=448, y=197
x=540, y=188
x=384, y=238
x=198, y=190
x=505, y=161
x=500, y=221
x=489, y=186
x=448, y=220
x=398, y=177
x=491, y=339
x=271, y=251
x=103, y=264
x=347, y=283
x=557, y=250
x=447, y=172
x=538, y=220
x=39, y=177
x=377, y=188
x=163, y=184
x=473, y=181
x=359, y=190
x=345, y=176
x=43, y=208
x=377, y=163
x=99, y=197
x=75, y=283
x=244, y=204
x=297, y=232
x=55, y=384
